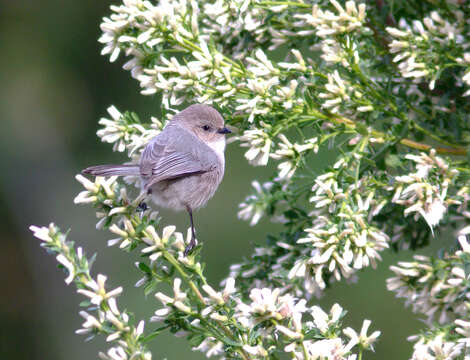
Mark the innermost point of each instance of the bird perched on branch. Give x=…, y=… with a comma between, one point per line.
x=183, y=165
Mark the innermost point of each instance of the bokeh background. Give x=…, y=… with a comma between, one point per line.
x=54, y=88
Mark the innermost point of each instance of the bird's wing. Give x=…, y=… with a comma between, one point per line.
x=175, y=153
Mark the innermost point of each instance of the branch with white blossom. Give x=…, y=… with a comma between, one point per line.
x=107, y=320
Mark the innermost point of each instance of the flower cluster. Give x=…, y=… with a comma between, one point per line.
x=438, y=295
x=342, y=238
x=108, y=319
x=466, y=77
x=436, y=347
x=437, y=288
x=343, y=21
x=259, y=142
x=254, y=206
x=333, y=27
x=424, y=191
x=126, y=131
x=338, y=237
x=292, y=155
x=279, y=318
x=419, y=48
x=113, y=205
x=338, y=92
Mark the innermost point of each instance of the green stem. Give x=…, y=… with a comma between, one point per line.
x=457, y=150
x=362, y=145
x=431, y=135
x=304, y=351
x=171, y=259
x=366, y=81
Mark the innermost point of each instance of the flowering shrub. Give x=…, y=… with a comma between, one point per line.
x=384, y=88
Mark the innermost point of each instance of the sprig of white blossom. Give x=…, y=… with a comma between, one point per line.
x=437, y=287
x=419, y=47
x=125, y=131
x=424, y=192
x=107, y=319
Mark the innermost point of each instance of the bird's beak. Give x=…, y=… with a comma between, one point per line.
x=224, y=130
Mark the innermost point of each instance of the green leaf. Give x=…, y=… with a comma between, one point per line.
x=143, y=267
x=393, y=161
x=155, y=333
x=362, y=129
x=85, y=303
x=196, y=340
x=150, y=288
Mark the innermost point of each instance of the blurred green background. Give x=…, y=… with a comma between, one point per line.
x=54, y=88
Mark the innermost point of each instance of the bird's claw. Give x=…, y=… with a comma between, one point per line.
x=190, y=247
x=142, y=206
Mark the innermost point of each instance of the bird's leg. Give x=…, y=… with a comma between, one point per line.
x=192, y=243
x=142, y=205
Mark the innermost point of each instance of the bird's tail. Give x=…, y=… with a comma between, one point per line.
x=112, y=170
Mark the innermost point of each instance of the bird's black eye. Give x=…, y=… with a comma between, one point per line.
x=206, y=128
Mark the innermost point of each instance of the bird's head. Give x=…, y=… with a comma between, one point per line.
x=203, y=121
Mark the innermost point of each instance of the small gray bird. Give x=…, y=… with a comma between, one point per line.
x=183, y=165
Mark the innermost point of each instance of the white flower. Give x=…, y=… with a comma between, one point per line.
x=363, y=339
x=229, y=288
x=259, y=143
x=463, y=328
x=415, y=46
x=440, y=295
x=464, y=243
x=300, y=65
x=43, y=233
x=436, y=348
x=257, y=350
x=161, y=314
x=90, y=323
x=254, y=205
x=115, y=353
x=69, y=266
x=261, y=65
x=322, y=320
x=211, y=347
x=337, y=92
x=214, y=295
x=293, y=154
x=465, y=60
x=156, y=242
x=96, y=290
x=90, y=195
x=288, y=332
x=341, y=250
x=264, y=301
x=177, y=301
x=328, y=349
x=327, y=23
x=423, y=194
x=266, y=304
x=125, y=135
x=337, y=52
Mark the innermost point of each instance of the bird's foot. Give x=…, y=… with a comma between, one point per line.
x=192, y=244
x=142, y=206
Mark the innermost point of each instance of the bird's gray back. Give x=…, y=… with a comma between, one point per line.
x=175, y=153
